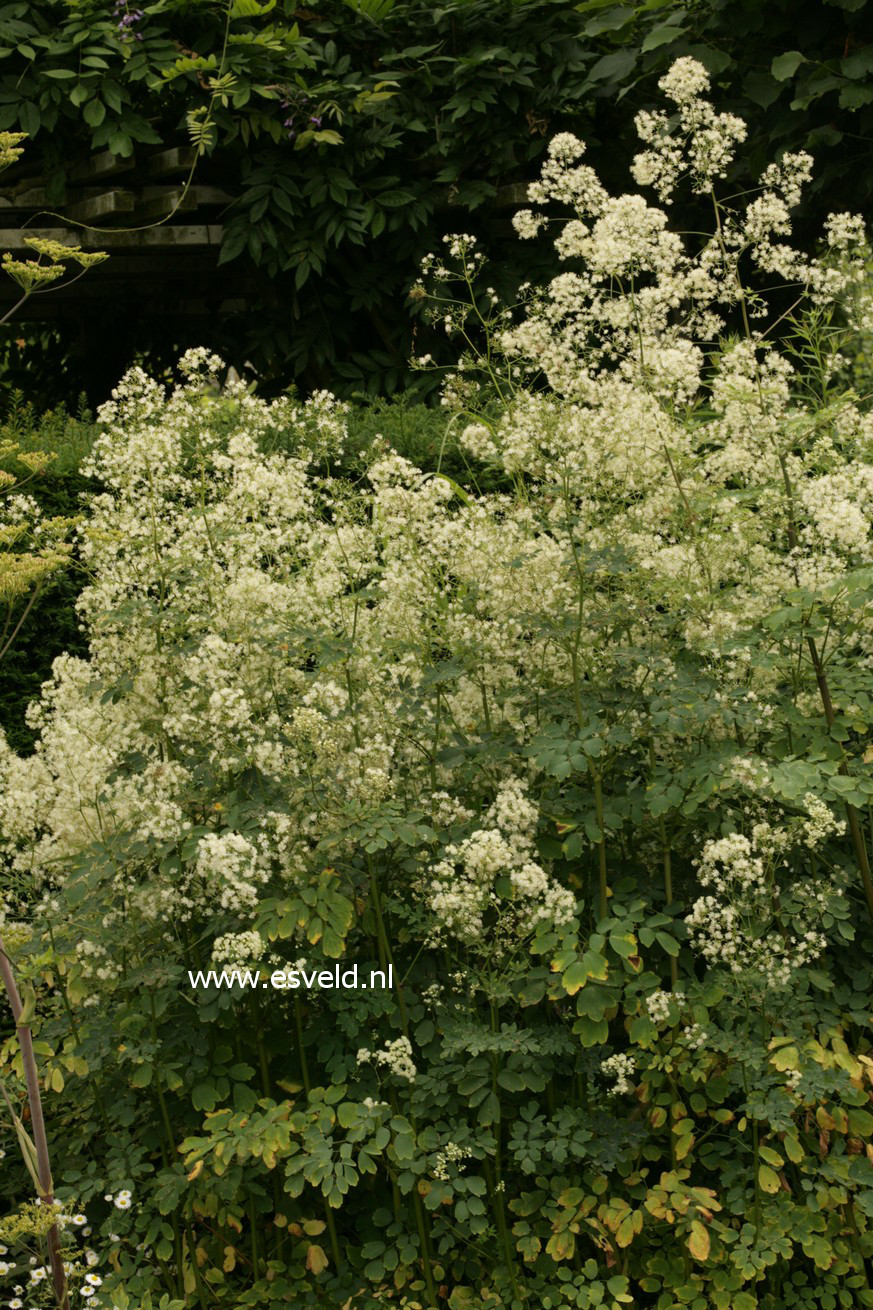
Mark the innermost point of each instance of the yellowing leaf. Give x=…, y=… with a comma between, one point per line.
x=574, y=978
x=683, y=1146
x=628, y=1228
x=785, y=1058
x=316, y=1260
x=824, y=1120
x=561, y=1246
x=698, y=1241
x=767, y=1179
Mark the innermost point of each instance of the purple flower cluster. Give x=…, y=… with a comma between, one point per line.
x=291, y=122
x=126, y=20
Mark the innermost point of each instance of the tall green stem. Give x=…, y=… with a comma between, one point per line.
x=668, y=893
x=495, y=1185
x=386, y=956
x=603, y=887
x=307, y=1087
x=43, y=1173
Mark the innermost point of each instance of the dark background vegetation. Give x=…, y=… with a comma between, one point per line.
x=328, y=234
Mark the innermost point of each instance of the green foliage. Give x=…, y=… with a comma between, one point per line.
x=51, y=627
x=555, y=727
x=269, y=1166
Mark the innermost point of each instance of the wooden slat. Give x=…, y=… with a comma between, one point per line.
x=211, y=195
x=510, y=196
x=170, y=163
x=34, y=198
x=168, y=236
x=165, y=204
x=103, y=206
x=200, y=195
x=103, y=165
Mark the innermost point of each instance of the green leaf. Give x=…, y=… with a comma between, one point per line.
x=667, y=942
x=204, y=1096
x=859, y=64
x=663, y=34
x=510, y=1081
x=855, y=97
x=591, y=1032
x=250, y=8
x=624, y=944
x=596, y=965
x=785, y=66
x=762, y=88
x=642, y=1030
x=347, y=1114
x=861, y=1123
x=30, y=118
x=94, y=112
x=615, y=67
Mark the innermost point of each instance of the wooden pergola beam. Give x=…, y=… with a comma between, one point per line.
x=103, y=206
x=168, y=236
x=104, y=164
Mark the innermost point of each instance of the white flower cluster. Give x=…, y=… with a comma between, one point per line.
x=749, y=922
x=705, y=139
x=239, y=950
x=694, y=1036
x=451, y=1154
x=228, y=868
x=642, y=300
x=621, y=1067
x=460, y=888
x=820, y=823
x=659, y=1004
x=793, y=1079
x=396, y=1056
